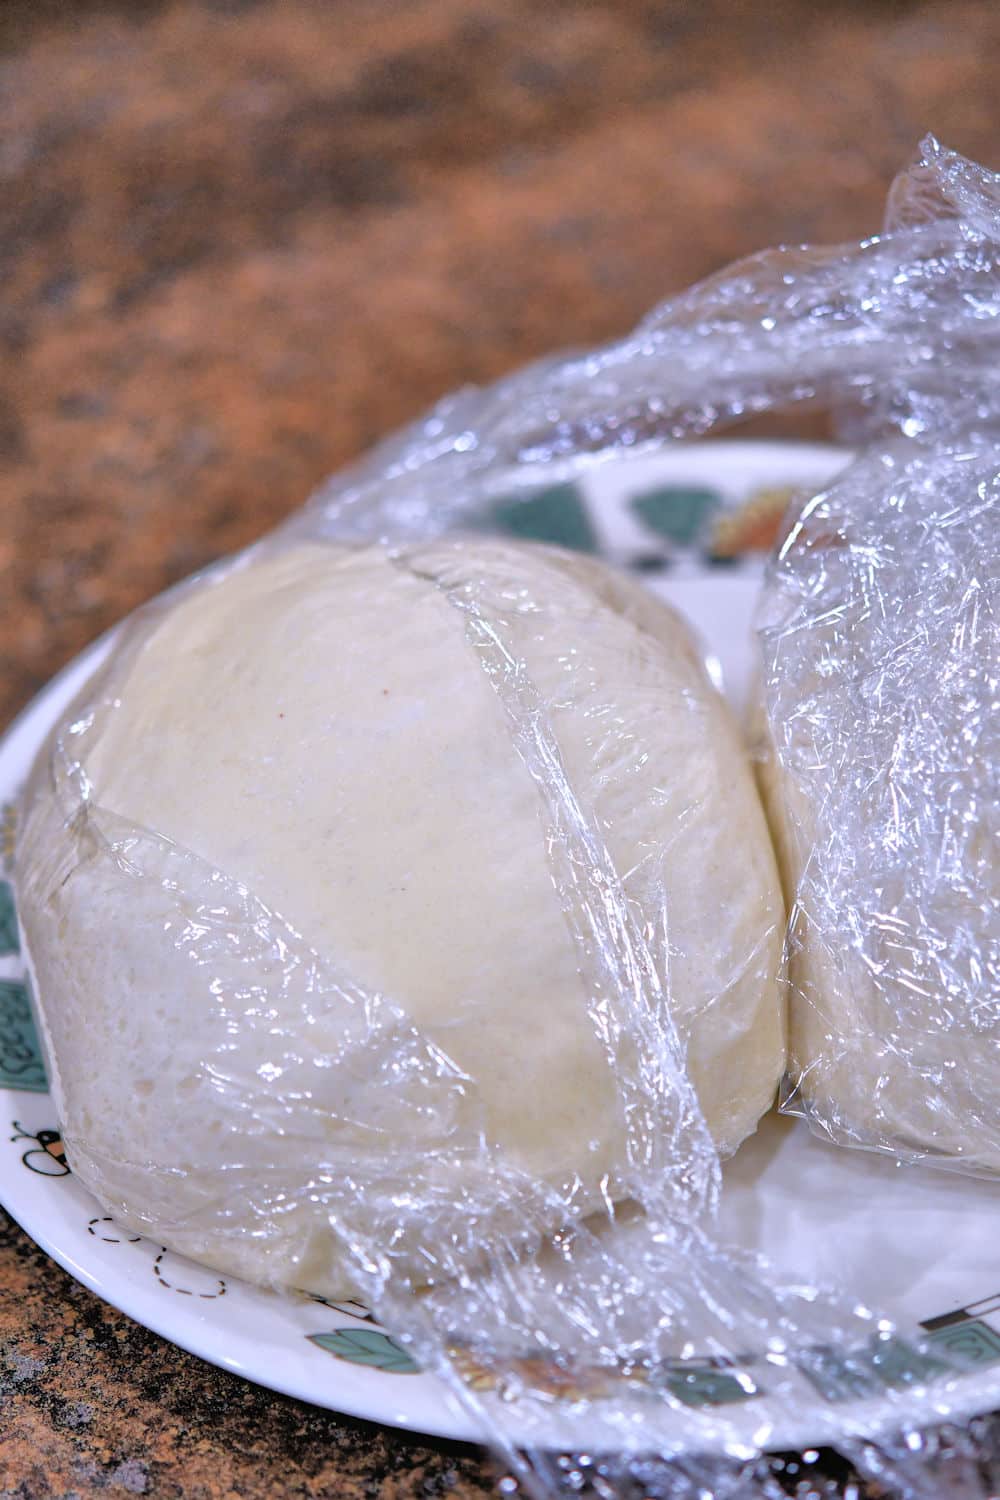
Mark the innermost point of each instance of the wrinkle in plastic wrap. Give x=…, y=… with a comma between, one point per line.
x=627, y=1352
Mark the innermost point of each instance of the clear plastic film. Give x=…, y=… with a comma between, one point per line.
x=881, y=638
x=506, y=1135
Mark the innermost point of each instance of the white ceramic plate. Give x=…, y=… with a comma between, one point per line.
x=923, y=1247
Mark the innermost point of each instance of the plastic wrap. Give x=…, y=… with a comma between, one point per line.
x=881, y=638
x=620, y=1346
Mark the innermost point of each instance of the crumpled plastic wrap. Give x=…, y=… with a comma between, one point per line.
x=629, y=1352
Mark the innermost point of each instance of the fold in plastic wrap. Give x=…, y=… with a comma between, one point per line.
x=618, y=1344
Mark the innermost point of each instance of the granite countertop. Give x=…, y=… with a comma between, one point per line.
x=239, y=241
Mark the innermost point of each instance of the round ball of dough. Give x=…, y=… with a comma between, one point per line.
x=878, y=767
x=308, y=828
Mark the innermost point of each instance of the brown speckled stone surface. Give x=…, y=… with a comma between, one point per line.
x=238, y=241
x=91, y=1403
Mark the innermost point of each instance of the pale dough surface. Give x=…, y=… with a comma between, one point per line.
x=316, y=726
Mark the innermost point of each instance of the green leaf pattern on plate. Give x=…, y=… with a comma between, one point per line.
x=367, y=1346
x=557, y=515
x=9, y=941
x=681, y=523
x=679, y=513
x=706, y=1385
x=885, y=1364
x=21, y=1065
x=972, y=1342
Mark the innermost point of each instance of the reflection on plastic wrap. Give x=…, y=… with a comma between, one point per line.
x=329, y=1139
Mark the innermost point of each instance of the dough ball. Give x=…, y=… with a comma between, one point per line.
x=314, y=863
x=879, y=772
